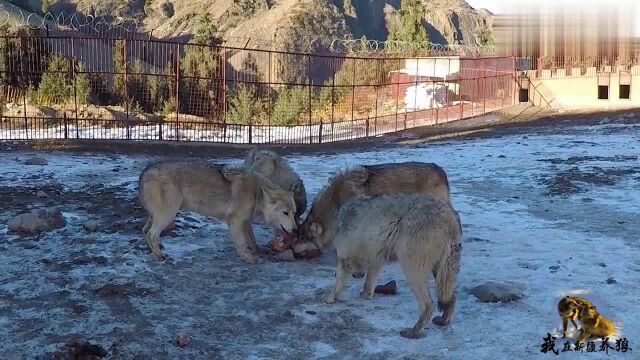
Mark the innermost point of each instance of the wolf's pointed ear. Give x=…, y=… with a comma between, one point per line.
x=316, y=228
x=266, y=167
x=269, y=194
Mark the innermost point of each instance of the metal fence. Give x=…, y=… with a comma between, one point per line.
x=62, y=87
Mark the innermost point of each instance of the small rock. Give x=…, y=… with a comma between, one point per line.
x=182, y=341
x=90, y=225
x=84, y=350
x=310, y=312
x=167, y=9
x=501, y=156
x=36, y=160
x=389, y=288
x=475, y=239
x=554, y=268
x=81, y=260
x=286, y=255
x=37, y=221
x=42, y=194
x=78, y=309
x=495, y=292
x=602, y=265
x=611, y=280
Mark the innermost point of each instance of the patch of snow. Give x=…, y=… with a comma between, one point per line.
x=551, y=245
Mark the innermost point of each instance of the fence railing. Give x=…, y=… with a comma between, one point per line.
x=560, y=67
x=88, y=88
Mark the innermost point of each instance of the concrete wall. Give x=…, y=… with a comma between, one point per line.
x=573, y=93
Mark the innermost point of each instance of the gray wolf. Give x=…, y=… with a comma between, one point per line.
x=417, y=230
x=276, y=168
x=236, y=196
x=406, y=177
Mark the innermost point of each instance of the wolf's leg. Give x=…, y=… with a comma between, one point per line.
x=240, y=231
x=370, y=282
x=252, y=244
x=145, y=229
x=147, y=225
x=417, y=281
x=158, y=223
x=565, y=323
x=342, y=277
x=573, y=321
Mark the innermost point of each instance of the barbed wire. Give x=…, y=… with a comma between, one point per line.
x=65, y=21
x=360, y=46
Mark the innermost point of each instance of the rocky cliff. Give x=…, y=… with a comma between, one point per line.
x=299, y=24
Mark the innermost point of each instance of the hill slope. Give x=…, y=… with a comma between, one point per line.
x=289, y=24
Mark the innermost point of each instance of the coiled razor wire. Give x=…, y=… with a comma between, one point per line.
x=362, y=46
x=64, y=21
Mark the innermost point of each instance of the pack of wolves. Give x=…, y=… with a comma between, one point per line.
x=372, y=214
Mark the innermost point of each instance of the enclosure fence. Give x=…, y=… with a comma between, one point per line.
x=70, y=87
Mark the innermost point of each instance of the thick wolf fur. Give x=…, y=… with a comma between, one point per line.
x=406, y=177
x=277, y=170
x=416, y=230
x=238, y=197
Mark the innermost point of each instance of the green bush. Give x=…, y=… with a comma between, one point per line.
x=168, y=107
x=408, y=23
x=486, y=39
x=290, y=104
x=244, y=106
x=205, y=31
x=119, y=84
x=57, y=84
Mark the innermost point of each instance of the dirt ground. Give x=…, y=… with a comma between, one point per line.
x=515, y=186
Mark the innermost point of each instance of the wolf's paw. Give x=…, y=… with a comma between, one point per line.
x=250, y=258
x=367, y=295
x=409, y=333
x=330, y=299
x=440, y=321
x=162, y=257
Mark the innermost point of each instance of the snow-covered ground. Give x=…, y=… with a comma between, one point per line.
x=553, y=210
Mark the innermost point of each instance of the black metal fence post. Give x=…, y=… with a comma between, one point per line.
x=75, y=90
x=367, y=127
x=126, y=83
x=177, y=78
x=66, y=125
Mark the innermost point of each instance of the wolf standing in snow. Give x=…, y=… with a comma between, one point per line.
x=237, y=196
x=419, y=231
x=406, y=177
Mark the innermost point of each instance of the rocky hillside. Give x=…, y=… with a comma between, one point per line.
x=289, y=24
